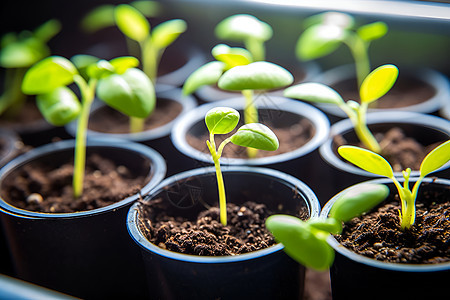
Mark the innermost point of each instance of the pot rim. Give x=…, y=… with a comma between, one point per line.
x=430, y=76
x=373, y=262
x=139, y=238
x=400, y=117
x=314, y=115
x=157, y=173
x=169, y=92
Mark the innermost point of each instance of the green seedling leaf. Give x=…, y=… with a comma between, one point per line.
x=166, y=33
x=221, y=120
x=330, y=225
x=99, y=18
x=48, y=74
x=131, y=22
x=342, y=20
x=232, y=57
x=242, y=27
x=131, y=93
x=435, y=159
x=123, y=63
x=318, y=41
x=372, y=31
x=302, y=242
x=378, y=83
x=357, y=201
x=59, y=107
x=259, y=75
x=255, y=135
x=23, y=53
x=367, y=160
x=47, y=30
x=100, y=69
x=207, y=74
x=314, y=92
x=82, y=61
x=147, y=8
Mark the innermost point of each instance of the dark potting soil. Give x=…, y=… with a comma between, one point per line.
x=398, y=149
x=28, y=114
x=42, y=188
x=377, y=234
x=206, y=236
x=290, y=138
x=108, y=120
x=407, y=91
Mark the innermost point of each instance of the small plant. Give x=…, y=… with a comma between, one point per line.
x=376, y=164
x=306, y=241
x=235, y=71
x=325, y=32
x=18, y=53
x=117, y=82
x=246, y=29
x=374, y=86
x=222, y=120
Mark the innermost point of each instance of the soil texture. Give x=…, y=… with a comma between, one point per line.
x=43, y=188
x=108, y=120
x=378, y=235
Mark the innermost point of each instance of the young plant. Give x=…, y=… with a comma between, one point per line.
x=374, y=86
x=246, y=29
x=222, y=120
x=376, y=164
x=325, y=32
x=18, y=53
x=306, y=241
x=117, y=82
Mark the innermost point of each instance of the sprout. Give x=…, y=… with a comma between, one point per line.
x=376, y=164
x=306, y=241
x=222, y=120
x=374, y=86
x=117, y=82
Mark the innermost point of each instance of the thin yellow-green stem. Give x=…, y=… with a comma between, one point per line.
x=136, y=124
x=13, y=98
x=149, y=59
x=363, y=132
x=359, y=50
x=250, y=116
x=256, y=48
x=87, y=97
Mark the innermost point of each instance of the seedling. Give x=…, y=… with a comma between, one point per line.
x=117, y=82
x=325, y=32
x=235, y=71
x=222, y=120
x=306, y=241
x=376, y=164
x=374, y=86
x=246, y=29
x=18, y=53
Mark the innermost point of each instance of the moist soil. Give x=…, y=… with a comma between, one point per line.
x=108, y=120
x=43, y=188
x=399, y=150
x=290, y=137
x=205, y=235
x=407, y=91
x=377, y=234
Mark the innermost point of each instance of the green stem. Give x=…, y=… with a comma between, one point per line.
x=149, y=59
x=250, y=116
x=359, y=50
x=136, y=124
x=87, y=97
x=363, y=132
x=12, y=100
x=256, y=48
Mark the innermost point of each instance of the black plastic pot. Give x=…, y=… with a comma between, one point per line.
x=87, y=254
x=263, y=274
x=305, y=72
x=354, y=276
x=339, y=174
x=157, y=138
x=303, y=163
x=436, y=80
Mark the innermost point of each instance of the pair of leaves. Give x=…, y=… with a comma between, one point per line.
x=374, y=86
x=222, y=120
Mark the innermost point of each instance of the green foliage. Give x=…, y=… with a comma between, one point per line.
x=223, y=120
x=60, y=106
x=306, y=241
x=376, y=164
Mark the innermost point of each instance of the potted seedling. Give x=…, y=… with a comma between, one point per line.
x=19, y=51
x=80, y=188
x=417, y=90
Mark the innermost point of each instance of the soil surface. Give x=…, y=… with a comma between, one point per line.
x=378, y=235
x=28, y=114
x=206, y=236
x=398, y=149
x=44, y=188
x=109, y=120
x=290, y=138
